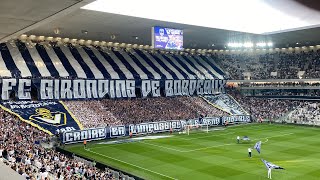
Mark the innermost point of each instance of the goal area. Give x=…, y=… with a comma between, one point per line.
x=188, y=129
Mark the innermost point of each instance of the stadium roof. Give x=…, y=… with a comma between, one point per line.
x=113, y=26
x=252, y=16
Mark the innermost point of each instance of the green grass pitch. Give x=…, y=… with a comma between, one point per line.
x=216, y=154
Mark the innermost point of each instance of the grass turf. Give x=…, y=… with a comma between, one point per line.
x=216, y=155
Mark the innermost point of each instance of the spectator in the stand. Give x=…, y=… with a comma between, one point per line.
x=272, y=109
x=286, y=64
x=132, y=111
x=32, y=161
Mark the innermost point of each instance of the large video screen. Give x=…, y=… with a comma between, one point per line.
x=167, y=38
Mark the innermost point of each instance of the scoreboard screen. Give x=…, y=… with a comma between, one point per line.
x=167, y=38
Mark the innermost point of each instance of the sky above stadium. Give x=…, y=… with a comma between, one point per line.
x=253, y=16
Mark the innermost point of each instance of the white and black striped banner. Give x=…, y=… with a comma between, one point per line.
x=21, y=61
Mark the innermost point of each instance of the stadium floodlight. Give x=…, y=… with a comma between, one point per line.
x=66, y=40
x=81, y=41
x=50, y=38
x=270, y=44
x=103, y=43
x=248, y=44
x=40, y=38
x=23, y=37
x=57, y=39
x=73, y=41
x=261, y=44
x=235, y=45
x=32, y=37
x=96, y=43
x=88, y=42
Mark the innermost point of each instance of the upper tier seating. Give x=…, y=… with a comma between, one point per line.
x=283, y=65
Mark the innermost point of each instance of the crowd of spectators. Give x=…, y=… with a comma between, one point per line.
x=288, y=93
x=293, y=111
x=313, y=68
x=206, y=109
x=21, y=149
x=280, y=84
x=21, y=144
x=130, y=111
x=284, y=65
x=306, y=113
x=263, y=108
x=92, y=113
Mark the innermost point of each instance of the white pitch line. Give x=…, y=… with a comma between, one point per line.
x=208, y=147
x=131, y=164
x=186, y=151
x=189, y=139
x=172, y=149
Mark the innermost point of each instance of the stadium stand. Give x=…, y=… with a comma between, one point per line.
x=305, y=113
x=291, y=111
x=133, y=111
x=68, y=61
x=285, y=64
x=21, y=149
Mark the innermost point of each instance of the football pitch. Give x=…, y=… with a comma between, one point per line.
x=214, y=155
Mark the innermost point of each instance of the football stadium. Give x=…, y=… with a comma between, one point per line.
x=134, y=90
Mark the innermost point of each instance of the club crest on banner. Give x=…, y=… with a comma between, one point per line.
x=45, y=116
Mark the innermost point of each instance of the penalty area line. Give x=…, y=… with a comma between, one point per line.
x=131, y=164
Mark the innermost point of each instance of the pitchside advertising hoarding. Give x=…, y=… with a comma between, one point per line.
x=147, y=128
x=167, y=38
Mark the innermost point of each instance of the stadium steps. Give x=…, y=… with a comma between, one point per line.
x=212, y=104
x=224, y=106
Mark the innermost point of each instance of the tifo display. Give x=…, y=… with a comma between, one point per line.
x=90, y=95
